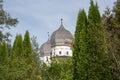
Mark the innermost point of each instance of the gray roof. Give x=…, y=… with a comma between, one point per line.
x=61, y=37
x=45, y=49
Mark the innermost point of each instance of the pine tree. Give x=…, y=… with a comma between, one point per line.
x=6, y=21
x=79, y=47
x=97, y=57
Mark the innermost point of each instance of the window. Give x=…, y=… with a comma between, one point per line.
x=47, y=59
x=59, y=52
x=67, y=52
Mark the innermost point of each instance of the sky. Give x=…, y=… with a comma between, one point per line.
x=42, y=16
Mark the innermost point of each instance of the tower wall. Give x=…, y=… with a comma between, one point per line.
x=61, y=51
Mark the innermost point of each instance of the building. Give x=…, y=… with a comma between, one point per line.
x=59, y=45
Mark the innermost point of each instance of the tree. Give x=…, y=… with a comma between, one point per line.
x=17, y=64
x=24, y=62
x=61, y=70
x=17, y=49
x=116, y=11
x=31, y=59
x=79, y=47
x=116, y=22
x=98, y=63
x=27, y=48
x=35, y=45
x=111, y=22
x=3, y=61
x=5, y=22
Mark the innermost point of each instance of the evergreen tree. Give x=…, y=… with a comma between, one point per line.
x=17, y=63
x=24, y=63
x=111, y=21
x=79, y=47
x=116, y=10
x=31, y=59
x=27, y=48
x=3, y=61
x=98, y=63
x=109, y=32
x=17, y=49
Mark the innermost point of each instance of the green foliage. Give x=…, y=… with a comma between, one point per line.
x=98, y=66
x=116, y=10
x=27, y=45
x=90, y=58
x=58, y=70
x=31, y=59
x=3, y=61
x=111, y=22
x=16, y=66
x=24, y=64
x=5, y=22
x=17, y=49
x=79, y=45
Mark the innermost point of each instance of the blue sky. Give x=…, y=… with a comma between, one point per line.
x=42, y=16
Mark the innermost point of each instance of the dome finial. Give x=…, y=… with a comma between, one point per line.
x=48, y=35
x=61, y=21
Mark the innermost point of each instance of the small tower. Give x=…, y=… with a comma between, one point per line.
x=61, y=42
x=58, y=45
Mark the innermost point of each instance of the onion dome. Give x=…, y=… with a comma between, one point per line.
x=45, y=49
x=61, y=37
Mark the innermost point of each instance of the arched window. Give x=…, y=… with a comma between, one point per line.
x=59, y=52
x=67, y=52
x=47, y=59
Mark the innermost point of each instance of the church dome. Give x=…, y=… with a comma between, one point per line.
x=61, y=37
x=45, y=49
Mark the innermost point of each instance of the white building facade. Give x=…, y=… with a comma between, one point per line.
x=60, y=44
x=61, y=51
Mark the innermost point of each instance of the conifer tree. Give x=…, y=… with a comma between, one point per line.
x=79, y=49
x=27, y=48
x=32, y=63
x=16, y=66
x=97, y=57
x=24, y=64
x=3, y=61
x=113, y=34
x=116, y=10
x=17, y=49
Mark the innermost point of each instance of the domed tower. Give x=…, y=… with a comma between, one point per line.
x=45, y=51
x=61, y=42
